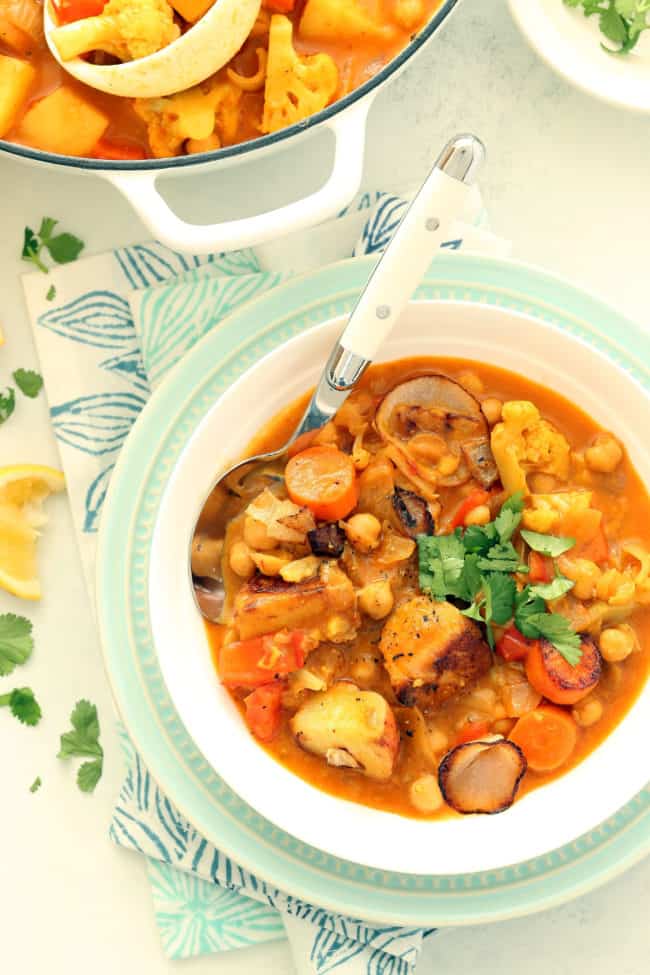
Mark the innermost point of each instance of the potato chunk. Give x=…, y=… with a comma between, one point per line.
x=325, y=605
x=63, y=122
x=432, y=652
x=349, y=728
x=16, y=78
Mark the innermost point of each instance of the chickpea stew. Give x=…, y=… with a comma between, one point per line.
x=441, y=601
x=300, y=56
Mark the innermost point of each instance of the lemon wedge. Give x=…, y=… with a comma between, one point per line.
x=23, y=490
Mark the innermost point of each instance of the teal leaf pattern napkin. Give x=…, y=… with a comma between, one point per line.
x=118, y=324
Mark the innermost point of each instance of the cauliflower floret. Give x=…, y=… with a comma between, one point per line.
x=127, y=29
x=523, y=442
x=547, y=512
x=295, y=86
x=207, y=112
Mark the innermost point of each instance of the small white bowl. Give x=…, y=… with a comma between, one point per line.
x=542, y=821
x=570, y=43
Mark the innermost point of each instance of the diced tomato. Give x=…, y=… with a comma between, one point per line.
x=471, y=731
x=117, y=150
x=474, y=500
x=262, y=659
x=279, y=6
x=264, y=710
x=70, y=10
x=541, y=568
x=513, y=645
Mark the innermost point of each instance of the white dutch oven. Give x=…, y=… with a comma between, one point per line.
x=346, y=119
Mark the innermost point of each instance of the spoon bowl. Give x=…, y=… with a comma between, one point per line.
x=194, y=56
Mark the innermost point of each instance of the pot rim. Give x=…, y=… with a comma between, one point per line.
x=242, y=148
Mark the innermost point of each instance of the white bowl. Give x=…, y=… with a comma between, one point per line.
x=571, y=44
x=539, y=822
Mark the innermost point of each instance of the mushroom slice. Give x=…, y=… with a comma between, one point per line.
x=327, y=540
x=437, y=405
x=480, y=461
x=413, y=513
x=482, y=776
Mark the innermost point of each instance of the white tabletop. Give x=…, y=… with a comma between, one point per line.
x=567, y=182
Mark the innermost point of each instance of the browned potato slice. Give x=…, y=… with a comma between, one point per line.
x=349, y=728
x=482, y=776
x=325, y=605
x=432, y=652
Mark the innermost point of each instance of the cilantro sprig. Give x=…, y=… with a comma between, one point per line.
x=7, y=404
x=478, y=565
x=23, y=705
x=16, y=642
x=28, y=382
x=62, y=247
x=82, y=741
x=621, y=21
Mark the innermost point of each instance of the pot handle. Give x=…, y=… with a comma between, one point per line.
x=349, y=131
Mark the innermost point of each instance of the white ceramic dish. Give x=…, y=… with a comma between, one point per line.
x=571, y=44
x=542, y=821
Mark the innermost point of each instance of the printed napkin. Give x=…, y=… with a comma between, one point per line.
x=116, y=326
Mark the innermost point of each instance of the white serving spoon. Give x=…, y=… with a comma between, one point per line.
x=442, y=198
x=196, y=55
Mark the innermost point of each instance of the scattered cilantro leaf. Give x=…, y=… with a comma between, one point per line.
x=51, y=293
x=557, y=630
x=36, y=784
x=621, y=21
x=46, y=228
x=32, y=249
x=16, y=641
x=83, y=742
x=479, y=538
x=552, y=545
x=441, y=563
x=502, y=592
x=502, y=558
x=89, y=775
x=28, y=382
x=7, y=404
x=559, y=587
x=23, y=705
x=507, y=521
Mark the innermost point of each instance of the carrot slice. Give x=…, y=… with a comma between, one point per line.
x=546, y=736
x=323, y=479
x=474, y=500
x=555, y=679
x=541, y=568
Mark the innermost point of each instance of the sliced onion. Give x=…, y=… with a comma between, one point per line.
x=482, y=776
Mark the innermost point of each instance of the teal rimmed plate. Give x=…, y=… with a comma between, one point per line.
x=147, y=464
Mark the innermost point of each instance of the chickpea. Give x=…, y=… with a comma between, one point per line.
x=617, y=643
x=256, y=535
x=478, y=516
x=588, y=712
x=438, y=740
x=584, y=573
x=448, y=464
x=376, y=599
x=241, y=561
x=271, y=564
x=604, y=455
x=363, y=670
x=363, y=531
x=471, y=382
x=206, y=556
x=425, y=794
x=492, y=410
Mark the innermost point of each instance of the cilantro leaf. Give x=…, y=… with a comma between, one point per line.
x=28, y=382
x=89, y=775
x=621, y=21
x=613, y=26
x=7, y=404
x=502, y=596
x=479, y=538
x=502, y=558
x=51, y=293
x=83, y=741
x=552, y=545
x=557, y=630
x=441, y=564
x=32, y=249
x=36, y=784
x=64, y=248
x=16, y=641
x=507, y=521
x=553, y=590
x=23, y=705
x=528, y=604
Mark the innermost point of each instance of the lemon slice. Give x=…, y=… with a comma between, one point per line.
x=23, y=489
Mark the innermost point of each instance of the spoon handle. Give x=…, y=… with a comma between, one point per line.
x=441, y=199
